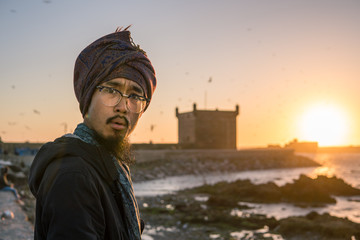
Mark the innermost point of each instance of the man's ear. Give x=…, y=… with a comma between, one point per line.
x=86, y=119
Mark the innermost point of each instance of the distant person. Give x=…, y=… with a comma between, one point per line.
x=82, y=181
x=6, y=186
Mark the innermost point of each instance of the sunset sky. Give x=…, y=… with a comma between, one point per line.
x=292, y=66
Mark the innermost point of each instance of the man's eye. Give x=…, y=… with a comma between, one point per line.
x=110, y=90
x=135, y=97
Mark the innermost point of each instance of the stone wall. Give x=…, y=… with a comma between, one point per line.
x=183, y=154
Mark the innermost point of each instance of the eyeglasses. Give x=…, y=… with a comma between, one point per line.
x=111, y=97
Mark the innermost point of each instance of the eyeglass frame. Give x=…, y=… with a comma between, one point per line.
x=142, y=98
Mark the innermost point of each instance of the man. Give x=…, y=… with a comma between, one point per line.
x=81, y=181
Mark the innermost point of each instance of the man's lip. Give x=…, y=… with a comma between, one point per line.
x=118, y=123
x=118, y=126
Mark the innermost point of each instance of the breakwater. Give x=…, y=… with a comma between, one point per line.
x=165, y=163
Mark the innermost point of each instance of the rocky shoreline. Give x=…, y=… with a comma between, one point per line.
x=217, y=211
x=199, y=214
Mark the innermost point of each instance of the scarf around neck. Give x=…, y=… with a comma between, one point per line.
x=124, y=184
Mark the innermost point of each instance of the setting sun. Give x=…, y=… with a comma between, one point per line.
x=325, y=124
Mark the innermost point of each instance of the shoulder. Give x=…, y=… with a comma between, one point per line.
x=68, y=176
x=68, y=163
x=67, y=154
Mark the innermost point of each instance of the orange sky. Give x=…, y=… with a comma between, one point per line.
x=276, y=59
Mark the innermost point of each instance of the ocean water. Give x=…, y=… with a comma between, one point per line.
x=341, y=165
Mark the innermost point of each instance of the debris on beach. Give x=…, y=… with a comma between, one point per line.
x=7, y=214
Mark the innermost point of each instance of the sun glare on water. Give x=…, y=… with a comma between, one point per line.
x=324, y=124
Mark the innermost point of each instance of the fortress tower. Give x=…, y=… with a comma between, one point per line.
x=207, y=129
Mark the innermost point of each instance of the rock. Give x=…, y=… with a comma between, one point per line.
x=302, y=192
x=318, y=226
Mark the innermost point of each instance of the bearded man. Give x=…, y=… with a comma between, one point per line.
x=82, y=181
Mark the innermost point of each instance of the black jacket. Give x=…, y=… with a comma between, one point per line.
x=76, y=197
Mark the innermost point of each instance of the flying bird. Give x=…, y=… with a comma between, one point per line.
x=36, y=112
x=152, y=126
x=210, y=80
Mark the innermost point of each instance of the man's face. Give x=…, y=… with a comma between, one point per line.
x=117, y=122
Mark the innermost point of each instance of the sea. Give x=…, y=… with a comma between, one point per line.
x=341, y=165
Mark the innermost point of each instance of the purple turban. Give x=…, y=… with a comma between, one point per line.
x=112, y=56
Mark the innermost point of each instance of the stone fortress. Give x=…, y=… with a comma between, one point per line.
x=206, y=129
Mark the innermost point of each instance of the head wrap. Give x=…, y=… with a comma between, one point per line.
x=112, y=56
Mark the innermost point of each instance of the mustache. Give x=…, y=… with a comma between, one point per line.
x=109, y=120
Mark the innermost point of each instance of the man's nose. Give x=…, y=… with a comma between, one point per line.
x=121, y=106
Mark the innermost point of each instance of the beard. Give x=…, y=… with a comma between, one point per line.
x=118, y=146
